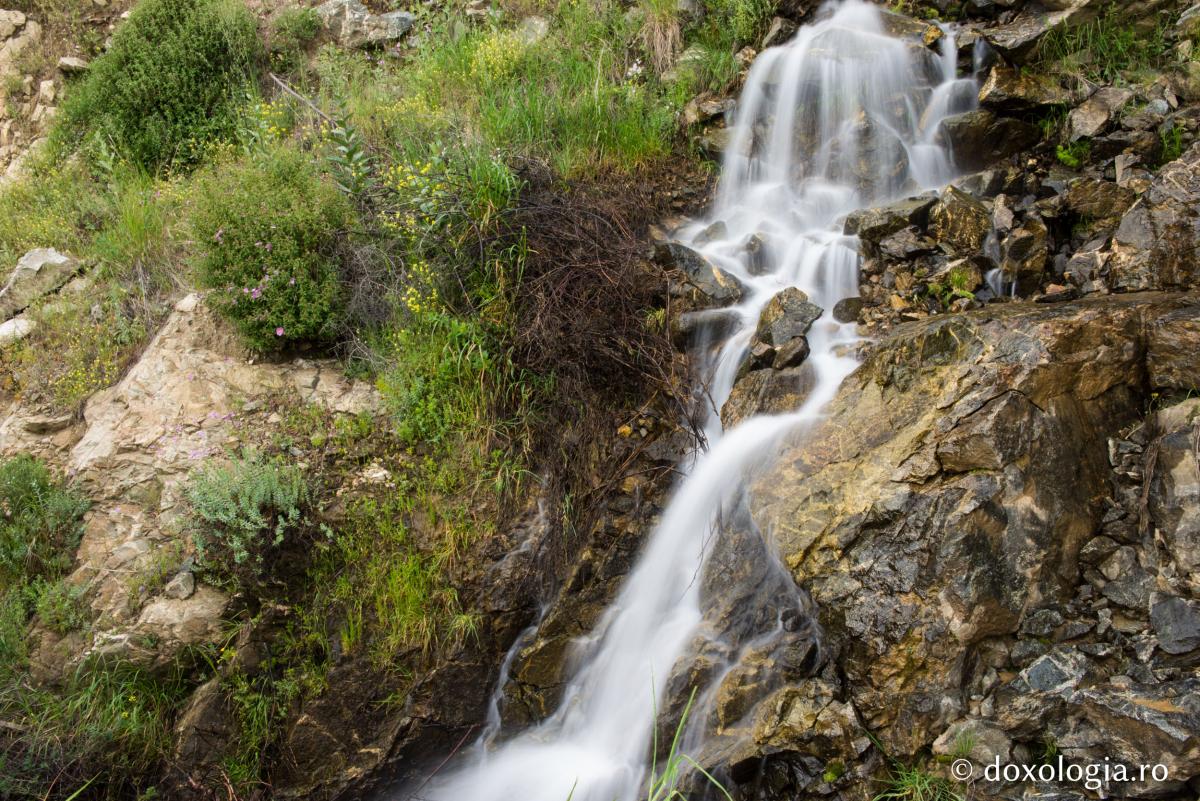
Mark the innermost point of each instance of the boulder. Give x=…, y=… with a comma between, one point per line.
x=23, y=34
x=1095, y=114
x=1017, y=39
x=1174, y=341
x=710, y=280
x=351, y=24
x=1156, y=243
x=787, y=315
x=39, y=272
x=959, y=223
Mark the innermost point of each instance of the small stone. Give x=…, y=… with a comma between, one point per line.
x=846, y=310
x=16, y=329
x=72, y=65
x=181, y=586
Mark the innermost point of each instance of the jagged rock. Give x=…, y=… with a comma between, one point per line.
x=787, y=315
x=715, y=141
x=1174, y=485
x=351, y=24
x=1176, y=622
x=39, y=272
x=713, y=282
x=874, y=224
x=978, y=138
x=959, y=222
x=957, y=464
x=1007, y=89
x=1155, y=245
x=1146, y=146
x=1092, y=116
x=1097, y=199
x=1188, y=24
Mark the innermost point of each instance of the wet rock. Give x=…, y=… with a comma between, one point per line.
x=847, y=310
x=876, y=223
x=38, y=273
x=1096, y=113
x=1154, y=246
x=979, y=138
x=1176, y=623
x=715, y=141
x=351, y=24
x=906, y=243
x=787, y=315
x=711, y=324
x=766, y=392
x=1008, y=89
x=959, y=222
x=713, y=282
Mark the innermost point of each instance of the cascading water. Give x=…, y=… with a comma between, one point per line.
x=843, y=117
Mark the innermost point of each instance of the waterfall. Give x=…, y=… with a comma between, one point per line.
x=844, y=116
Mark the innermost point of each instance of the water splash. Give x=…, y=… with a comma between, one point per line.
x=843, y=117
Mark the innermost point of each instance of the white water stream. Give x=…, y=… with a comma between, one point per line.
x=842, y=117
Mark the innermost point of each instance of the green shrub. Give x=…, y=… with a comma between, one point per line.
x=170, y=83
x=60, y=606
x=267, y=236
x=746, y=20
x=39, y=522
x=243, y=510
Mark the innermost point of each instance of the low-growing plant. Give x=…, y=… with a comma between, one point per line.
x=268, y=231
x=912, y=783
x=1073, y=154
x=1105, y=47
x=292, y=31
x=1172, y=144
x=242, y=510
x=168, y=85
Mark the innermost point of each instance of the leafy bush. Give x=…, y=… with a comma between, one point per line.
x=267, y=235
x=242, y=510
x=170, y=83
x=60, y=606
x=39, y=522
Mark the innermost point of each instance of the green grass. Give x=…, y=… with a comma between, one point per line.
x=1073, y=154
x=910, y=783
x=1105, y=49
